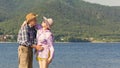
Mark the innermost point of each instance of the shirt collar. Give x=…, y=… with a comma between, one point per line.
x=45, y=30
x=29, y=26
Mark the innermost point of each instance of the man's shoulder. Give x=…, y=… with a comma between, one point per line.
x=24, y=27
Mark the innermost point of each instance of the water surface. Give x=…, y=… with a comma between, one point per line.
x=70, y=55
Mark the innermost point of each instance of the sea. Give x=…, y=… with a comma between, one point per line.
x=69, y=55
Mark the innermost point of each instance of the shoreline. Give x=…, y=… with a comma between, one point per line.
x=71, y=42
x=8, y=42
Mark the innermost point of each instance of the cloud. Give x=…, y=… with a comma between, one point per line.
x=106, y=2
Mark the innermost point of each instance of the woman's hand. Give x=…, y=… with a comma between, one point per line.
x=49, y=60
x=24, y=23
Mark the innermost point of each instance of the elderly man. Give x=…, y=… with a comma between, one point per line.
x=26, y=40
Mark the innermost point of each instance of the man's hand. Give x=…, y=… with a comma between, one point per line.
x=33, y=46
x=39, y=47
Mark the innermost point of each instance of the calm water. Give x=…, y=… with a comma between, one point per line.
x=70, y=55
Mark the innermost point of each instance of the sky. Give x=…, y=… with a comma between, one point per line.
x=106, y=2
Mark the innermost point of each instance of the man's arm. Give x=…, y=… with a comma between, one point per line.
x=37, y=47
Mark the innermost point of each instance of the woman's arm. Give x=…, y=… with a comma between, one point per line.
x=50, y=43
x=37, y=26
x=24, y=23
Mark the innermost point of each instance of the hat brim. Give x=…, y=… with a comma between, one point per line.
x=46, y=21
x=32, y=18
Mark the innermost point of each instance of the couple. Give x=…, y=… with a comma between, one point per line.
x=32, y=35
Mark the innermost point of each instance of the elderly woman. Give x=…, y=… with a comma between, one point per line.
x=45, y=41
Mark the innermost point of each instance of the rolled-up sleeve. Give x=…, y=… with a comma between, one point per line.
x=38, y=26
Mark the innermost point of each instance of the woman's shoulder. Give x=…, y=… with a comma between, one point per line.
x=49, y=33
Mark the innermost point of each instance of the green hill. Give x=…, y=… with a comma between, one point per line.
x=75, y=20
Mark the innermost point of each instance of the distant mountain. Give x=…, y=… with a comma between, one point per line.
x=74, y=19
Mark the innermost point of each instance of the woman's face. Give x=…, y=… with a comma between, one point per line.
x=44, y=25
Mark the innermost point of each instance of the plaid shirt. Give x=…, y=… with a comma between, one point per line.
x=27, y=36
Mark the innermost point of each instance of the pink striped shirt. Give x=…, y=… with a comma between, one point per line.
x=45, y=38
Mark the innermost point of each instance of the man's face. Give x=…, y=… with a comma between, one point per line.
x=33, y=22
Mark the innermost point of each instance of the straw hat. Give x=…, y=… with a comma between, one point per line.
x=30, y=16
x=48, y=21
